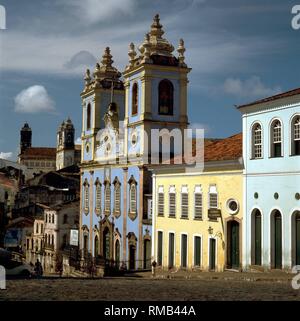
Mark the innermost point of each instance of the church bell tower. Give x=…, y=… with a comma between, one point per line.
x=25, y=138
x=65, y=151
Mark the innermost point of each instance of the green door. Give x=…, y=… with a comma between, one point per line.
x=147, y=254
x=257, y=238
x=183, y=250
x=171, y=250
x=197, y=251
x=159, y=248
x=278, y=241
x=298, y=239
x=212, y=254
x=234, y=245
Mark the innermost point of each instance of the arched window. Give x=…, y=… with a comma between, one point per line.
x=117, y=197
x=135, y=100
x=88, y=117
x=65, y=219
x=98, y=197
x=132, y=197
x=256, y=141
x=52, y=218
x=52, y=240
x=86, y=196
x=295, y=136
x=276, y=139
x=165, y=97
x=107, y=198
x=37, y=228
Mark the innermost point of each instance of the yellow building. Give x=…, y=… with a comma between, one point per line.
x=197, y=216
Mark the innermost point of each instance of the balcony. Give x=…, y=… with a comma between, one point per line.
x=214, y=214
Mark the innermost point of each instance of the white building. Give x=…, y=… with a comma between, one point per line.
x=271, y=152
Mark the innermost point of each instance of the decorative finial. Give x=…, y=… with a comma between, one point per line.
x=156, y=27
x=146, y=52
x=181, y=50
x=87, y=77
x=107, y=58
x=131, y=54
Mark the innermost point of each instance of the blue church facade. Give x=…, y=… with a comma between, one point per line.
x=271, y=153
x=118, y=116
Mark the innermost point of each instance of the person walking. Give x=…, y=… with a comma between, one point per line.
x=38, y=268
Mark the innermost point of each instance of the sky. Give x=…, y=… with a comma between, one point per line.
x=239, y=51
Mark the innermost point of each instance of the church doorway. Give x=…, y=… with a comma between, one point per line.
x=131, y=257
x=96, y=246
x=106, y=244
x=117, y=253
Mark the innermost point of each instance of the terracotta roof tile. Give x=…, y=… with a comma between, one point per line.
x=230, y=148
x=39, y=152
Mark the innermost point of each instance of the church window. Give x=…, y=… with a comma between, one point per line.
x=98, y=197
x=133, y=197
x=257, y=141
x=88, y=117
x=296, y=136
x=107, y=196
x=165, y=97
x=134, y=99
x=117, y=197
x=276, y=139
x=86, y=196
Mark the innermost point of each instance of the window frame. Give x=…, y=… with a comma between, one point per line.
x=271, y=137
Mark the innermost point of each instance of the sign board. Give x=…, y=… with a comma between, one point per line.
x=74, y=237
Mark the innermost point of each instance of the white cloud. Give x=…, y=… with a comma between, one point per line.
x=34, y=99
x=81, y=59
x=78, y=141
x=252, y=87
x=7, y=155
x=92, y=11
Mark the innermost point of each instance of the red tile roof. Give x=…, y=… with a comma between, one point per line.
x=39, y=152
x=290, y=93
x=230, y=148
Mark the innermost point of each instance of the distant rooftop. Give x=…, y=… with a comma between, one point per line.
x=286, y=94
